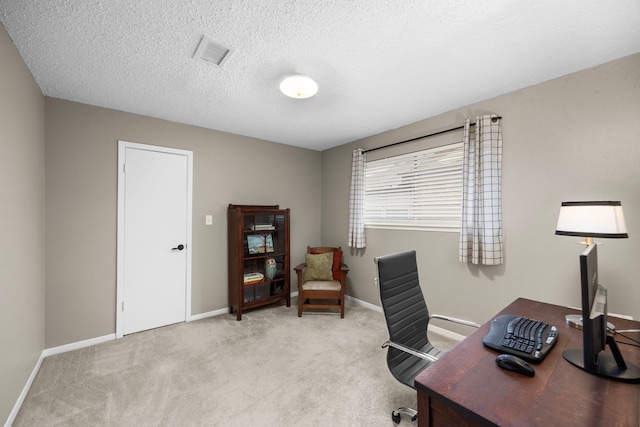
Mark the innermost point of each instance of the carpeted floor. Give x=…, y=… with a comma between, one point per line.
x=270, y=369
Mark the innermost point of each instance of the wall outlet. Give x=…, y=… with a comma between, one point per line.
x=375, y=282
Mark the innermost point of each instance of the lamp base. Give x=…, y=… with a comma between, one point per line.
x=575, y=321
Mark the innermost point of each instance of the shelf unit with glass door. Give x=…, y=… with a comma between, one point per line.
x=259, y=260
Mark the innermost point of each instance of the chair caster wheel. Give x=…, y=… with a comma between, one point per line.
x=395, y=417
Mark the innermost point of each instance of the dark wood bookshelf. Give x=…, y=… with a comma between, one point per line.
x=259, y=258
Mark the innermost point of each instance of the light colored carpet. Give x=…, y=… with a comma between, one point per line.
x=270, y=369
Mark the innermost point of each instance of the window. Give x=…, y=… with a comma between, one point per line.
x=420, y=190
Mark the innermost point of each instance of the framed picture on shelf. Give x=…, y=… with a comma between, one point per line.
x=268, y=243
x=259, y=244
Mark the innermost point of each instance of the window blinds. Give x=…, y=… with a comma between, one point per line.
x=420, y=190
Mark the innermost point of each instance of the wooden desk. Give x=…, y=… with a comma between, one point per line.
x=466, y=387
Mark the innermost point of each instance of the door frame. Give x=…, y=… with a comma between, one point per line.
x=122, y=147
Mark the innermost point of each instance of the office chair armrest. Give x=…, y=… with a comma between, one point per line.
x=411, y=351
x=455, y=320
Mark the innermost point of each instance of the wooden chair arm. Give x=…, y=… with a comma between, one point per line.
x=300, y=267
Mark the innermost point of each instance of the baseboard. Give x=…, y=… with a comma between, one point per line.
x=208, y=314
x=77, y=345
x=446, y=333
x=219, y=312
x=438, y=330
x=364, y=303
x=82, y=344
x=23, y=394
x=50, y=352
x=110, y=337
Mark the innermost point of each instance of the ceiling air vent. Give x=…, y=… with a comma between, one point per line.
x=212, y=52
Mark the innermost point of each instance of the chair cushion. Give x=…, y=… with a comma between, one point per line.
x=322, y=285
x=318, y=267
x=335, y=266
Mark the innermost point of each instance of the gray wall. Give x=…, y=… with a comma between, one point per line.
x=22, y=283
x=81, y=188
x=572, y=138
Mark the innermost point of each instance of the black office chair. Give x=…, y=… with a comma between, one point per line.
x=409, y=350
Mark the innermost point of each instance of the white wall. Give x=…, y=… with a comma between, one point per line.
x=572, y=138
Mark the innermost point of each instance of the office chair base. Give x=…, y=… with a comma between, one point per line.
x=395, y=415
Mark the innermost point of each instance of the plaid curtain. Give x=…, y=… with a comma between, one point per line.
x=356, y=201
x=481, y=231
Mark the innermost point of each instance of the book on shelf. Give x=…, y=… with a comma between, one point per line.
x=250, y=278
x=260, y=227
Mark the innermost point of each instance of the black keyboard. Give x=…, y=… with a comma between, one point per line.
x=526, y=338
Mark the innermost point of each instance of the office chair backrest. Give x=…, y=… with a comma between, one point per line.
x=404, y=307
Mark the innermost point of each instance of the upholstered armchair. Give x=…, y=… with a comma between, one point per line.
x=321, y=279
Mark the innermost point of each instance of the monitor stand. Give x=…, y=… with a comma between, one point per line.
x=609, y=366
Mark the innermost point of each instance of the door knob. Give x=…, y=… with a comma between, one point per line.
x=178, y=248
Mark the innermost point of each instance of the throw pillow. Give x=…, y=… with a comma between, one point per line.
x=336, y=266
x=318, y=267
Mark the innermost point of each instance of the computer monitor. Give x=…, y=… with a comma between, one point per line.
x=595, y=337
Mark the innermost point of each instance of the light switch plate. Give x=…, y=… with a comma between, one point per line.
x=208, y=219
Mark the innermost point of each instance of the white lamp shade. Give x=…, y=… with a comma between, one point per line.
x=592, y=219
x=299, y=86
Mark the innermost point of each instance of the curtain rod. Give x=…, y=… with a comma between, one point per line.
x=426, y=136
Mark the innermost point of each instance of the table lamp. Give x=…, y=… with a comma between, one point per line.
x=601, y=219
x=592, y=219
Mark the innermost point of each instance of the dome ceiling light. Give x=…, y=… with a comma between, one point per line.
x=299, y=86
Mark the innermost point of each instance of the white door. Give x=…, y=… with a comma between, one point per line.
x=154, y=237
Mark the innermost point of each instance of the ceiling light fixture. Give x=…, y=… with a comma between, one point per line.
x=298, y=86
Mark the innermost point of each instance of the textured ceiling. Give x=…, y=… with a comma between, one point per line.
x=379, y=64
